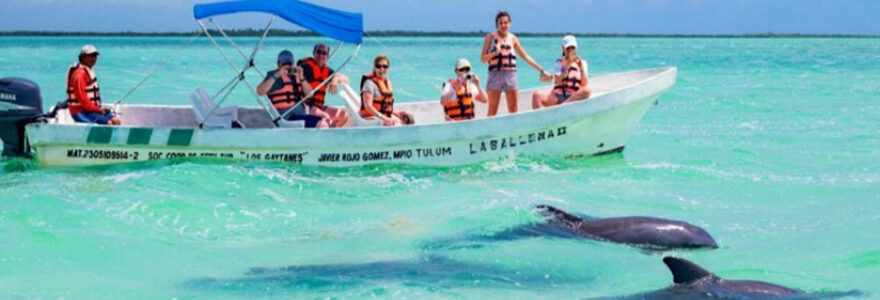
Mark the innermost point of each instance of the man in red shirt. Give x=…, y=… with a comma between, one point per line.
x=83, y=92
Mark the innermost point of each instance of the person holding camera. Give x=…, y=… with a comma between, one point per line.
x=285, y=87
x=569, y=76
x=460, y=92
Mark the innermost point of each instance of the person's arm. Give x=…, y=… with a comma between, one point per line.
x=342, y=78
x=267, y=84
x=300, y=75
x=485, y=55
x=448, y=93
x=481, y=94
x=522, y=52
x=583, y=68
x=80, y=79
x=367, y=98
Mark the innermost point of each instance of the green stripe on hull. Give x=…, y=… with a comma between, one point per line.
x=180, y=137
x=139, y=136
x=99, y=135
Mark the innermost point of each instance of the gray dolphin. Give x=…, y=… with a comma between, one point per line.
x=647, y=233
x=643, y=232
x=693, y=282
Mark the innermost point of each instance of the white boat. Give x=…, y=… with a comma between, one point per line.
x=599, y=125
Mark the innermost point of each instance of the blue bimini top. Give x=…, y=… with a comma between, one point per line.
x=340, y=25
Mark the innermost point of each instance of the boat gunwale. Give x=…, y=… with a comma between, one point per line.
x=592, y=101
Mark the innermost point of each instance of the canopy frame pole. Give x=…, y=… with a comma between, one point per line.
x=250, y=60
x=241, y=76
x=325, y=82
x=334, y=51
x=216, y=106
x=231, y=82
x=228, y=61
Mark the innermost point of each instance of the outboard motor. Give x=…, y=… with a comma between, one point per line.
x=20, y=104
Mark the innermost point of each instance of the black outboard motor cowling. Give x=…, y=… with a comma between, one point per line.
x=20, y=104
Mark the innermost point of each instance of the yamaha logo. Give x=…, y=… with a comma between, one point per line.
x=5, y=96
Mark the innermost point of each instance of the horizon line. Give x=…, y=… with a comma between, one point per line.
x=416, y=33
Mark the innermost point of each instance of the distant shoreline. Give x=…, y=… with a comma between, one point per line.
x=403, y=33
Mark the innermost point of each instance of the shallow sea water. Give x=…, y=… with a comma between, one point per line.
x=771, y=145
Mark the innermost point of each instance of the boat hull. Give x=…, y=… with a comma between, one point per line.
x=596, y=126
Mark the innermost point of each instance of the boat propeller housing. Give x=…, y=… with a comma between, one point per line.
x=20, y=104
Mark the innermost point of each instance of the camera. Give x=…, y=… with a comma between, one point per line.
x=468, y=76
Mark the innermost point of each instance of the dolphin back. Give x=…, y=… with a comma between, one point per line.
x=559, y=216
x=685, y=271
x=648, y=232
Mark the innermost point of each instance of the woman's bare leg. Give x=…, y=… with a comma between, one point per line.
x=581, y=94
x=494, y=98
x=538, y=99
x=512, y=98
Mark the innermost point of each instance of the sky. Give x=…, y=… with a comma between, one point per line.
x=573, y=16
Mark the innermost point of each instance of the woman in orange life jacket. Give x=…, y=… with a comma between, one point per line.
x=285, y=87
x=569, y=77
x=460, y=92
x=499, y=51
x=377, y=95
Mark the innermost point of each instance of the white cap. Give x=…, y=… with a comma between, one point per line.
x=461, y=63
x=569, y=40
x=88, y=50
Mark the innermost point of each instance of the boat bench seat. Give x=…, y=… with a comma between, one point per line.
x=353, y=106
x=211, y=116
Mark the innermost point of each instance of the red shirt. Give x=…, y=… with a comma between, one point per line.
x=78, y=81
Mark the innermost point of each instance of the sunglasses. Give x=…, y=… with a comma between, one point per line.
x=321, y=52
x=464, y=69
x=571, y=48
x=382, y=66
x=287, y=64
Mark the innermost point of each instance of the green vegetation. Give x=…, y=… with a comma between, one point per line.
x=405, y=33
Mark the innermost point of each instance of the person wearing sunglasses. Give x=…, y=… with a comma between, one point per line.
x=460, y=92
x=285, y=87
x=377, y=95
x=315, y=72
x=499, y=51
x=569, y=77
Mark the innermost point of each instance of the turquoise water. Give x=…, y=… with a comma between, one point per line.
x=772, y=145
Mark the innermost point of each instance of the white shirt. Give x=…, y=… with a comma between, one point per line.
x=447, y=88
x=557, y=67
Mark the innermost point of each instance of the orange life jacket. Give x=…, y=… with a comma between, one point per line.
x=505, y=60
x=93, y=91
x=319, y=74
x=288, y=95
x=385, y=102
x=571, y=78
x=463, y=109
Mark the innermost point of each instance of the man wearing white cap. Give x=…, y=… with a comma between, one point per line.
x=83, y=92
x=460, y=92
x=569, y=76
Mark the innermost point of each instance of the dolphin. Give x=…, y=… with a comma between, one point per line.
x=642, y=232
x=646, y=233
x=693, y=282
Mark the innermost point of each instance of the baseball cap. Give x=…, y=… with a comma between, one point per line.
x=568, y=41
x=285, y=57
x=461, y=63
x=88, y=50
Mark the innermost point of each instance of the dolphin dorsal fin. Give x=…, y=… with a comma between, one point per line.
x=559, y=215
x=684, y=271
